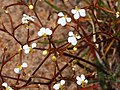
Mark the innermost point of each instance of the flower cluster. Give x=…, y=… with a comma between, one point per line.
x=59, y=85
x=77, y=14
x=6, y=86
x=81, y=80
x=19, y=68
x=27, y=49
x=73, y=38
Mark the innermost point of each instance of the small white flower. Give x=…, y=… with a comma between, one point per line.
x=73, y=38
x=117, y=14
x=59, y=85
x=44, y=32
x=6, y=86
x=63, y=19
x=26, y=18
x=27, y=49
x=81, y=80
x=19, y=68
x=78, y=12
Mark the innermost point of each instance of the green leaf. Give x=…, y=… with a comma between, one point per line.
x=55, y=7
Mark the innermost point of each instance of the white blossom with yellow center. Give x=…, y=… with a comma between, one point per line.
x=44, y=32
x=59, y=85
x=63, y=19
x=19, y=68
x=6, y=86
x=26, y=18
x=78, y=12
x=81, y=80
x=27, y=49
x=73, y=38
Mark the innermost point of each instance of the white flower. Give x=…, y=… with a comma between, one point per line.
x=73, y=38
x=6, y=86
x=26, y=18
x=19, y=68
x=78, y=12
x=59, y=85
x=27, y=49
x=44, y=31
x=63, y=19
x=117, y=14
x=81, y=80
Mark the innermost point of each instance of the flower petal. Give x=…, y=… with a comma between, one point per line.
x=78, y=37
x=27, y=50
x=25, y=47
x=30, y=18
x=82, y=12
x=34, y=45
x=73, y=11
x=72, y=40
x=83, y=77
x=24, y=20
x=24, y=65
x=60, y=14
x=71, y=33
x=77, y=15
x=17, y=70
x=62, y=21
x=86, y=81
x=79, y=82
x=62, y=82
x=56, y=86
x=25, y=15
x=4, y=84
x=40, y=33
x=48, y=31
x=42, y=29
x=68, y=19
x=78, y=78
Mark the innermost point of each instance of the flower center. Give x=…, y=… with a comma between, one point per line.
x=20, y=67
x=76, y=8
x=75, y=35
x=44, y=34
x=65, y=16
x=31, y=50
x=7, y=88
x=83, y=84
